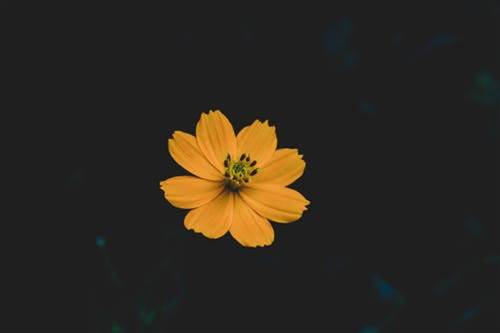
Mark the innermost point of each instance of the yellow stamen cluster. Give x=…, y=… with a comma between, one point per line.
x=238, y=172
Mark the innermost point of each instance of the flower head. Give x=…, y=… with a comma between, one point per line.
x=238, y=183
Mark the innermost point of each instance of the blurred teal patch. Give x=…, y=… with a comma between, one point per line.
x=441, y=39
x=470, y=313
x=369, y=329
x=397, y=38
x=473, y=226
x=159, y=297
x=366, y=107
x=492, y=260
x=100, y=241
x=337, y=45
x=116, y=328
x=386, y=293
x=485, y=90
x=438, y=41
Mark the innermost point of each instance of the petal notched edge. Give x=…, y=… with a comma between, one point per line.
x=259, y=140
x=214, y=219
x=190, y=192
x=185, y=151
x=284, y=167
x=216, y=138
x=249, y=228
x=275, y=202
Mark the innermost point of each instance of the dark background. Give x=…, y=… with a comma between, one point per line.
x=395, y=109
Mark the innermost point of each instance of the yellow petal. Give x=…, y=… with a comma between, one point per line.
x=213, y=219
x=284, y=168
x=249, y=228
x=275, y=202
x=185, y=151
x=190, y=192
x=215, y=136
x=258, y=139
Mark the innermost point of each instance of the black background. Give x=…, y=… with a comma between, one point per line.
x=385, y=102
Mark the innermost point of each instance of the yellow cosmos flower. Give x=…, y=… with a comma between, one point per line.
x=239, y=182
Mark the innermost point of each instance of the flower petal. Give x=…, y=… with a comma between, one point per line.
x=275, y=202
x=283, y=168
x=249, y=228
x=215, y=136
x=213, y=219
x=185, y=151
x=190, y=192
x=258, y=139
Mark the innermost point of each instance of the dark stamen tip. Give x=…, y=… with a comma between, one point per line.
x=253, y=172
x=246, y=180
x=242, y=157
x=253, y=163
x=226, y=163
x=248, y=159
x=226, y=174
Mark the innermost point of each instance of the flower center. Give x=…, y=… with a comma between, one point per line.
x=238, y=172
